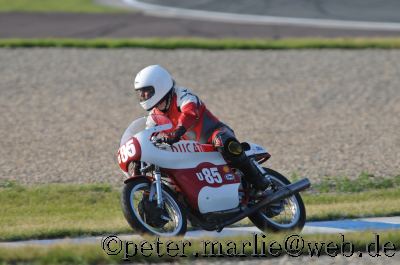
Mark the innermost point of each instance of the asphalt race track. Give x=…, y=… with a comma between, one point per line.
x=156, y=22
x=355, y=10
x=31, y=25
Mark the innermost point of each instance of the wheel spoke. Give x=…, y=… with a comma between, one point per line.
x=173, y=225
x=290, y=209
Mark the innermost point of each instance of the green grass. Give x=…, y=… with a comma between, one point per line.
x=364, y=182
x=211, y=44
x=48, y=211
x=342, y=197
x=93, y=254
x=59, y=210
x=83, y=6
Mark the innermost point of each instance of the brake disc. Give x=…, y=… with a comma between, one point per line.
x=155, y=216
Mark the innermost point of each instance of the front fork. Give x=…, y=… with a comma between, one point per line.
x=157, y=188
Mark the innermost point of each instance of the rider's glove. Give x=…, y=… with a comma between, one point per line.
x=175, y=136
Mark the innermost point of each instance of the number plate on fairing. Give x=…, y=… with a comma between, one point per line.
x=220, y=198
x=208, y=187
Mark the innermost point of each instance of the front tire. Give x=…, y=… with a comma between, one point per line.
x=134, y=193
x=293, y=215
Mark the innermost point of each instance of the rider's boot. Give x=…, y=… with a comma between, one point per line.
x=240, y=160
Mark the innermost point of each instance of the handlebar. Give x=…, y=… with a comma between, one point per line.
x=158, y=141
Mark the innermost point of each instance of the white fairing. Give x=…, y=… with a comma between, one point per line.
x=135, y=127
x=166, y=158
x=227, y=197
x=255, y=149
x=174, y=160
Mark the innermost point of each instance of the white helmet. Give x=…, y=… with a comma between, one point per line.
x=152, y=84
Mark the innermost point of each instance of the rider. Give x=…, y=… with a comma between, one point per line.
x=192, y=120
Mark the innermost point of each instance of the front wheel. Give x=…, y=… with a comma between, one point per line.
x=284, y=215
x=143, y=214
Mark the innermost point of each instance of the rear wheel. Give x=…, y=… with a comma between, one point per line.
x=286, y=214
x=143, y=214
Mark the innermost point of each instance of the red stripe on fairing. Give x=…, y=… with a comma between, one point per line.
x=192, y=147
x=190, y=185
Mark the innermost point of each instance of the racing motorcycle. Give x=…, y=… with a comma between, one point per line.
x=168, y=185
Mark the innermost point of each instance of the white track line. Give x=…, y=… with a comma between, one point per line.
x=387, y=220
x=164, y=11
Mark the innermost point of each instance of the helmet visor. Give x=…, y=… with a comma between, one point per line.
x=145, y=93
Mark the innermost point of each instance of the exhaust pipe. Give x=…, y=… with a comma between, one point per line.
x=282, y=193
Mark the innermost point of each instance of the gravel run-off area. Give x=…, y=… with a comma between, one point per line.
x=318, y=112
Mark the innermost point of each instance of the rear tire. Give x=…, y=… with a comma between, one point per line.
x=294, y=203
x=133, y=193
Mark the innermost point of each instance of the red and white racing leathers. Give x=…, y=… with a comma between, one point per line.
x=187, y=110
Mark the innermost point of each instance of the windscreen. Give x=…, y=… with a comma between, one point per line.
x=144, y=123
